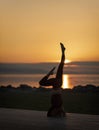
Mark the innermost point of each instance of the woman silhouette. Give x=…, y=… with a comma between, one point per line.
x=56, y=109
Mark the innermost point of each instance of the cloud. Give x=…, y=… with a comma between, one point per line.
x=43, y=68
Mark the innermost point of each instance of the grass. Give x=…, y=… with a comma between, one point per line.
x=87, y=103
x=81, y=102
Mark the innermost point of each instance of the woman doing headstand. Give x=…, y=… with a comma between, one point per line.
x=56, y=99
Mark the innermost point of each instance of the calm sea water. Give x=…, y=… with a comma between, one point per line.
x=32, y=79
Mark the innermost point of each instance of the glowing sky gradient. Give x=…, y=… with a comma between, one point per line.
x=31, y=30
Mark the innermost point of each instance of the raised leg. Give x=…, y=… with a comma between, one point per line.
x=59, y=73
x=45, y=81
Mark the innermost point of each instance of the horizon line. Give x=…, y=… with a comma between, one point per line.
x=45, y=62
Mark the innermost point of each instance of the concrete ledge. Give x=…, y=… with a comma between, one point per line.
x=14, y=119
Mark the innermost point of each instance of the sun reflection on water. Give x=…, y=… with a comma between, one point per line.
x=65, y=82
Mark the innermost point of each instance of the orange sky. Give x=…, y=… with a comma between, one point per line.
x=31, y=30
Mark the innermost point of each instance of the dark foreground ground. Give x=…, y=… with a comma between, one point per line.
x=14, y=119
x=86, y=102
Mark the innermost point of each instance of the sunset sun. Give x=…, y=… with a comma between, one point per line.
x=67, y=61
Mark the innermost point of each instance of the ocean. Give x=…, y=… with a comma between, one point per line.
x=75, y=73
x=69, y=80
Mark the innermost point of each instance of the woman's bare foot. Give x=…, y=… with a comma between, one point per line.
x=62, y=47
